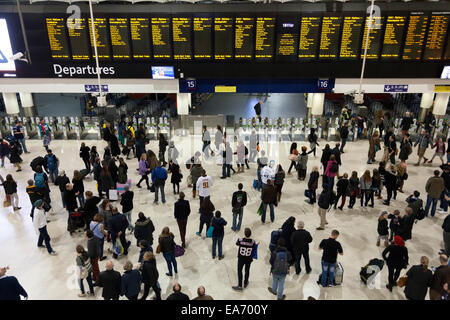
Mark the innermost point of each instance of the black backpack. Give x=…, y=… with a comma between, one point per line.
x=281, y=263
x=420, y=215
x=334, y=167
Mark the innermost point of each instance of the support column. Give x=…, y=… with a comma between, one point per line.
x=11, y=104
x=309, y=101
x=317, y=104
x=183, y=103
x=440, y=104
x=425, y=104
x=29, y=109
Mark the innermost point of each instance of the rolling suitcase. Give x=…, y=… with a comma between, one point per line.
x=338, y=275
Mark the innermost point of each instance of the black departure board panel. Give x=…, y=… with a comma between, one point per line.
x=140, y=38
x=120, y=39
x=415, y=37
x=78, y=37
x=447, y=50
x=374, y=44
x=162, y=42
x=244, y=37
x=351, y=37
x=203, y=38
x=182, y=38
x=287, y=38
x=264, y=38
x=223, y=38
x=329, y=38
x=434, y=46
x=308, y=43
x=393, y=37
x=57, y=38
x=101, y=38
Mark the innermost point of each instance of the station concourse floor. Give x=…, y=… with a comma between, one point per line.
x=53, y=277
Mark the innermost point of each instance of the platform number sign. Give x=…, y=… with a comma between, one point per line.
x=191, y=84
x=323, y=84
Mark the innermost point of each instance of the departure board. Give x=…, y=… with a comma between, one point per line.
x=264, y=38
x=223, y=38
x=437, y=31
x=162, y=44
x=329, y=39
x=393, y=37
x=351, y=37
x=244, y=37
x=120, y=40
x=309, y=37
x=374, y=45
x=203, y=37
x=415, y=36
x=182, y=39
x=140, y=38
x=101, y=38
x=287, y=38
x=57, y=38
x=78, y=38
x=447, y=50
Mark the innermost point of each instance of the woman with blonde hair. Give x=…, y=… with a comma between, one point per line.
x=419, y=279
x=365, y=183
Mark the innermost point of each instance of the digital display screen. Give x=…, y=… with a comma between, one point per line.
x=223, y=38
x=351, y=37
x=287, y=38
x=374, y=44
x=244, y=37
x=79, y=42
x=163, y=73
x=162, y=43
x=309, y=37
x=329, y=39
x=120, y=40
x=434, y=47
x=6, y=61
x=264, y=38
x=415, y=37
x=393, y=37
x=101, y=38
x=203, y=37
x=140, y=38
x=57, y=38
x=182, y=39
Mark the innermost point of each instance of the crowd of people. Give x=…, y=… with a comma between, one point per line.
x=97, y=212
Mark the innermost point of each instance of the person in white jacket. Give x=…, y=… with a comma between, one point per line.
x=40, y=224
x=204, y=184
x=268, y=172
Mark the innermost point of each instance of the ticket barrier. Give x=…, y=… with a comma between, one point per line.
x=30, y=128
x=272, y=132
x=164, y=127
x=152, y=128
x=333, y=129
x=298, y=130
x=72, y=128
x=89, y=128
x=5, y=127
x=57, y=126
x=285, y=129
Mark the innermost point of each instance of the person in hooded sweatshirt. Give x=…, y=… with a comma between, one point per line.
x=143, y=229
x=218, y=233
x=396, y=257
x=342, y=187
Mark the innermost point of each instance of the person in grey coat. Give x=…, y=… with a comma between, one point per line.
x=303, y=163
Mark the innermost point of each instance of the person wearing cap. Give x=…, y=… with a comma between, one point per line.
x=40, y=224
x=396, y=257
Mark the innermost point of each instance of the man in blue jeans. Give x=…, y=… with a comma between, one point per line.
x=238, y=203
x=330, y=248
x=269, y=198
x=434, y=188
x=159, y=177
x=19, y=134
x=280, y=262
x=218, y=233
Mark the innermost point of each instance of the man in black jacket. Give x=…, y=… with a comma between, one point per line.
x=70, y=197
x=406, y=123
x=182, y=210
x=326, y=199
x=93, y=253
x=10, y=288
x=61, y=181
x=35, y=194
x=257, y=108
x=300, y=240
x=127, y=206
x=446, y=235
x=344, y=135
x=90, y=207
x=238, y=202
x=110, y=280
x=414, y=202
x=177, y=294
x=337, y=153
x=118, y=224
x=144, y=229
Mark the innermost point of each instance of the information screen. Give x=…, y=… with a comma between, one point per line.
x=163, y=73
x=224, y=39
x=351, y=37
x=415, y=36
x=309, y=37
x=244, y=37
x=393, y=37
x=447, y=50
x=162, y=43
x=265, y=37
x=437, y=31
x=182, y=38
x=203, y=37
x=374, y=45
x=57, y=38
x=101, y=35
x=140, y=38
x=329, y=39
x=6, y=61
x=287, y=38
x=120, y=40
x=78, y=37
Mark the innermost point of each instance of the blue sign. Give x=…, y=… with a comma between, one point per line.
x=395, y=88
x=323, y=84
x=95, y=88
x=191, y=84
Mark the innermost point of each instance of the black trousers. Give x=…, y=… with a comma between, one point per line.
x=241, y=264
x=123, y=241
x=389, y=193
x=155, y=288
x=87, y=163
x=144, y=177
x=293, y=165
x=200, y=228
x=394, y=274
x=177, y=184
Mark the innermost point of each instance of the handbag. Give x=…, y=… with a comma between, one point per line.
x=292, y=157
x=209, y=233
x=152, y=188
x=189, y=180
x=308, y=193
x=158, y=249
x=113, y=194
x=178, y=251
x=402, y=282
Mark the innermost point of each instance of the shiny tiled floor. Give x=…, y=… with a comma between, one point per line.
x=53, y=277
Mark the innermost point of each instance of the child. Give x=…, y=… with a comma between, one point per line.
x=376, y=183
x=11, y=191
x=394, y=224
x=313, y=184
x=302, y=163
x=383, y=231
x=342, y=187
x=176, y=176
x=353, y=188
